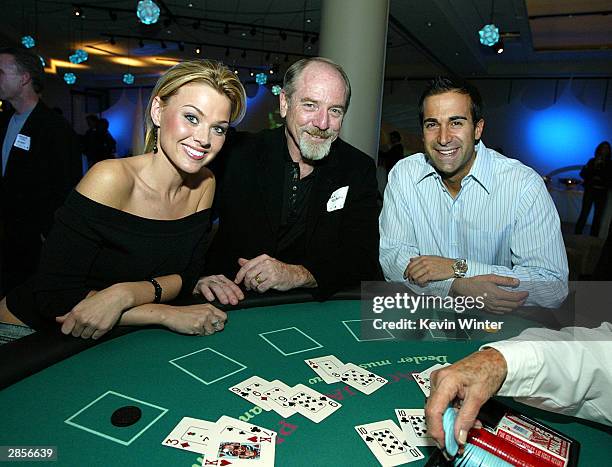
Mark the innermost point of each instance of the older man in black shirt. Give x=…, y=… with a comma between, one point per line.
x=297, y=206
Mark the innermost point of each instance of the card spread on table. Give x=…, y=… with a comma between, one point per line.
x=325, y=366
x=312, y=404
x=240, y=448
x=191, y=434
x=250, y=389
x=387, y=443
x=276, y=394
x=227, y=442
x=359, y=378
x=414, y=426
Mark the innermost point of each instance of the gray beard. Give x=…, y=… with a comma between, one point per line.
x=314, y=151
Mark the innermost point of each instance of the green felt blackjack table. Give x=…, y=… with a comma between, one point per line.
x=170, y=376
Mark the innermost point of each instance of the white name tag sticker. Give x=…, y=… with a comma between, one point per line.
x=22, y=142
x=337, y=199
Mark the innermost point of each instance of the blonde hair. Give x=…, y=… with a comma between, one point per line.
x=210, y=72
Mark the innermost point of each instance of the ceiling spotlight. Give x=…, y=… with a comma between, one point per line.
x=198, y=50
x=283, y=35
x=113, y=15
x=253, y=31
x=251, y=73
x=236, y=71
x=112, y=40
x=77, y=11
x=243, y=54
x=308, y=20
x=499, y=47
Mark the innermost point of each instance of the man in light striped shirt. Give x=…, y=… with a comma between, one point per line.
x=464, y=220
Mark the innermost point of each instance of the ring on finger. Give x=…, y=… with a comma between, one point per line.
x=258, y=279
x=217, y=325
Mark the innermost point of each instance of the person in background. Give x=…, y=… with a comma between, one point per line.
x=108, y=144
x=41, y=163
x=132, y=234
x=597, y=176
x=394, y=153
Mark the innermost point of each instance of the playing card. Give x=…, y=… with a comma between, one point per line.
x=191, y=434
x=227, y=424
x=239, y=447
x=324, y=367
x=423, y=378
x=276, y=395
x=312, y=404
x=387, y=443
x=359, y=378
x=250, y=389
x=412, y=423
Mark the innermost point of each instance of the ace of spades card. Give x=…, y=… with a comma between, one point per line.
x=414, y=426
x=387, y=443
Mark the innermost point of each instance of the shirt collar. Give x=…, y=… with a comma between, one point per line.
x=480, y=171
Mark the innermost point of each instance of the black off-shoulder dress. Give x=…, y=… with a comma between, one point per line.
x=93, y=246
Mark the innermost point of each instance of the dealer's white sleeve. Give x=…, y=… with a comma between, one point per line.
x=567, y=371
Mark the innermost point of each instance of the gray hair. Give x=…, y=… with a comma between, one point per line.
x=295, y=70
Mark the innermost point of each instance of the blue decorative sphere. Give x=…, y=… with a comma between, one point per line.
x=147, y=12
x=70, y=78
x=79, y=56
x=261, y=78
x=128, y=78
x=489, y=35
x=28, y=42
x=276, y=89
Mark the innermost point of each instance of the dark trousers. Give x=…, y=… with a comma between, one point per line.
x=598, y=198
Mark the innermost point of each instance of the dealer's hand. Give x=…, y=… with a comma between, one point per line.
x=471, y=381
x=263, y=273
x=424, y=269
x=488, y=287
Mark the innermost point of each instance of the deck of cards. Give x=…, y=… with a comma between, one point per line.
x=227, y=442
x=331, y=370
x=285, y=400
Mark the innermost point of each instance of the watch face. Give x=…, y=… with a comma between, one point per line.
x=460, y=266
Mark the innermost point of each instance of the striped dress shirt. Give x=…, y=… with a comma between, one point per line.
x=503, y=221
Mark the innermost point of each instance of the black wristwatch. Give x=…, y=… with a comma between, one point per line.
x=460, y=267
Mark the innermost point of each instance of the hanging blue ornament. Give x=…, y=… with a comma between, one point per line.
x=79, y=56
x=128, y=78
x=70, y=78
x=147, y=12
x=276, y=89
x=42, y=61
x=489, y=35
x=28, y=42
x=261, y=78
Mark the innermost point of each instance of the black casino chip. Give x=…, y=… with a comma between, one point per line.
x=126, y=416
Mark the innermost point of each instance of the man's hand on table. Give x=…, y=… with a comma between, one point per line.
x=472, y=381
x=263, y=273
x=488, y=287
x=424, y=269
x=219, y=287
